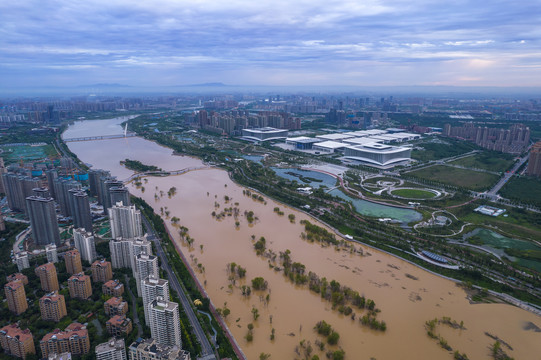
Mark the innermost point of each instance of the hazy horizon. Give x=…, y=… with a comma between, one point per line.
x=320, y=44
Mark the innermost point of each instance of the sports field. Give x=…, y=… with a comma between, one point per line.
x=14, y=153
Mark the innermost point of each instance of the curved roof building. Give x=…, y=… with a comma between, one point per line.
x=379, y=155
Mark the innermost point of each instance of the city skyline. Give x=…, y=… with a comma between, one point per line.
x=161, y=44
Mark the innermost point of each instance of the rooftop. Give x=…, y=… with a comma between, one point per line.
x=110, y=345
x=13, y=331
x=73, y=330
x=79, y=277
x=114, y=301
x=14, y=285
x=52, y=296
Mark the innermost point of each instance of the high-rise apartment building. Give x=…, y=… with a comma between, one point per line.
x=101, y=271
x=123, y=251
x=42, y=214
x=73, y=339
x=152, y=288
x=16, y=297
x=125, y=221
x=114, y=349
x=84, y=242
x=52, y=175
x=14, y=192
x=18, y=188
x=79, y=286
x=534, y=162
x=165, y=322
x=120, y=194
x=47, y=277
x=80, y=210
x=145, y=266
x=143, y=349
x=73, y=261
x=17, y=342
x=3, y=170
x=61, y=189
x=107, y=185
x=94, y=176
x=41, y=192
x=103, y=191
x=22, y=260
x=113, y=288
x=52, y=306
x=51, y=253
x=512, y=140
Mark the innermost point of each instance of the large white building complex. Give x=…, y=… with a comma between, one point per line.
x=125, y=221
x=165, y=322
x=264, y=134
x=378, y=148
x=379, y=155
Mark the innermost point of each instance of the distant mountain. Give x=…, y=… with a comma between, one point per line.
x=104, y=85
x=212, y=84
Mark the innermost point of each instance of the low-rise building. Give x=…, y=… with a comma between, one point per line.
x=73, y=262
x=113, y=288
x=143, y=349
x=74, y=340
x=16, y=297
x=16, y=342
x=119, y=325
x=115, y=306
x=47, y=277
x=114, y=349
x=79, y=286
x=101, y=271
x=22, y=260
x=52, y=306
x=51, y=253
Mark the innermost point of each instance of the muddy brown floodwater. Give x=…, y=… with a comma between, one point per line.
x=406, y=302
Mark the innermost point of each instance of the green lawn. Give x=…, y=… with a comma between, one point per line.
x=413, y=193
x=523, y=189
x=441, y=150
x=487, y=160
x=469, y=179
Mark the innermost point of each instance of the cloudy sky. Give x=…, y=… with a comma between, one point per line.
x=148, y=43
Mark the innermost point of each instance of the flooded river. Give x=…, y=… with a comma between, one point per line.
x=406, y=295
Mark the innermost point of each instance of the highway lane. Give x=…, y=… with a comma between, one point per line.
x=508, y=176
x=207, y=352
